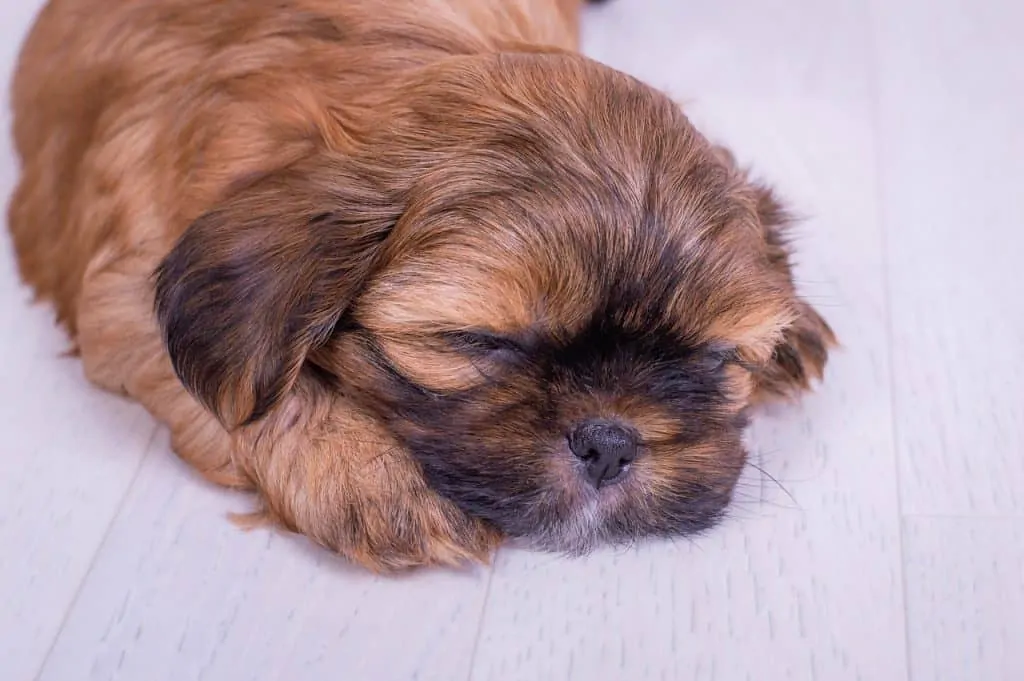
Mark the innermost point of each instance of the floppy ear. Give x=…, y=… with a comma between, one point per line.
x=800, y=357
x=259, y=281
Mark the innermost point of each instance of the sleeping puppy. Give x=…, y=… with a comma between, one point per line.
x=414, y=271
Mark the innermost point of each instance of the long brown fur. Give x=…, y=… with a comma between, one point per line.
x=211, y=189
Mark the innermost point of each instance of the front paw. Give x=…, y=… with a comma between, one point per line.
x=386, y=535
x=344, y=483
x=391, y=529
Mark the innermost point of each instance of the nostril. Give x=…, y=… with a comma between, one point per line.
x=605, y=448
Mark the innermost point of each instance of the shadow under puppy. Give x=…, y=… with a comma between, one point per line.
x=413, y=270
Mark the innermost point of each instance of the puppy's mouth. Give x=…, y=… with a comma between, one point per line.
x=576, y=509
x=604, y=479
x=578, y=527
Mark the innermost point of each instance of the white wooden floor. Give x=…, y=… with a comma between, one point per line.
x=897, y=127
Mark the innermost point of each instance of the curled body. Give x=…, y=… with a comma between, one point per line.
x=415, y=272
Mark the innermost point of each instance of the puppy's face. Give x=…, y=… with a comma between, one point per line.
x=552, y=291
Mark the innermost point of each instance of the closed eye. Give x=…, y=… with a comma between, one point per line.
x=714, y=358
x=483, y=343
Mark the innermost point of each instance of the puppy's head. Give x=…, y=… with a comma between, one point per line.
x=535, y=274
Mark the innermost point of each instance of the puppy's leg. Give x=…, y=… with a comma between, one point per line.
x=333, y=474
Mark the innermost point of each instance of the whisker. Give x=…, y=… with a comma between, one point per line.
x=747, y=501
x=378, y=458
x=775, y=480
x=371, y=442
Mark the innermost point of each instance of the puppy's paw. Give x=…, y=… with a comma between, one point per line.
x=387, y=537
x=396, y=522
x=328, y=471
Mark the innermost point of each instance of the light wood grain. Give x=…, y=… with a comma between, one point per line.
x=180, y=593
x=804, y=589
x=895, y=127
x=965, y=598
x=68, y=457
x=68, y=453
x=951, y=106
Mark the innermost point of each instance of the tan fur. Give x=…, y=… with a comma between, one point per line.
x=137, y=120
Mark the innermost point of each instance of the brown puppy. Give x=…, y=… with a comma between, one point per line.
x=412, y=270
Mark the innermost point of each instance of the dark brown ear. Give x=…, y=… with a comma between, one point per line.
x=801, y=356
x=255, y=284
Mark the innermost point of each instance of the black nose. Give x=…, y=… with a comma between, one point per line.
x=605, y=448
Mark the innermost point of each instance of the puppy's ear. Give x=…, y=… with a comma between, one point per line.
x=800, y=357
x=256, y=283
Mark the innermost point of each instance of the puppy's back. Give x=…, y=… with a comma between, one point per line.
x=132, y=116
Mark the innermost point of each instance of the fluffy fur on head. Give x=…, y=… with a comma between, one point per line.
x=383, y=261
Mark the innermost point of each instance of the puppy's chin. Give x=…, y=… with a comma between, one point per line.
x=574, y=517
x=569, y=515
